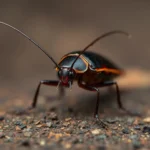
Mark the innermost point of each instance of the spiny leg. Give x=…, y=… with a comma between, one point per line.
x=90, y=88
x=110, y=83
x=118, y=97
x=120, y=103
x=45, y=82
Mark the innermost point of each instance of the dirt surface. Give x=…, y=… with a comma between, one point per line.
x=43, y=130
x=67, y=130
x=56, y=124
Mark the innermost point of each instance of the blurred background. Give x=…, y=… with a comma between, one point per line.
x=61, y=27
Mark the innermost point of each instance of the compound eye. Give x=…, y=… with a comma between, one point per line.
x=59, y=73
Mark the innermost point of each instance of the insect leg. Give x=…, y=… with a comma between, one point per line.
x=45, y=82
x=110, y=83
x=90, y=88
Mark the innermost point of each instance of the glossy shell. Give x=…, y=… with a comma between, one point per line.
x=80, y=66
x=88, y=59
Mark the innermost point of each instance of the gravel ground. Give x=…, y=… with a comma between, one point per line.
x=57, y=127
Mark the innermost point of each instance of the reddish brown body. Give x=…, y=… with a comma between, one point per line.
x=91, y=68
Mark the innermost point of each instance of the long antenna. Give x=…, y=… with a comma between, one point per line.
x=99, y=38
x=31, y=41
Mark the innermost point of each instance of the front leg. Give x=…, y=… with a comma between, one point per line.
x=45, y=82
x=90, y=88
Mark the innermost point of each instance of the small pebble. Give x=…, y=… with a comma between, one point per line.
x=66, y=124
x=137, y=127
x=18, y=128
x=69, y=130
x=67, y=119
x=53, y=116
x=39, y=125
x=27, y=134
x=49, y=124
x=17, y=123
x=83, y=124
x=111, y=121
x=20, y=124
x=126, y=131
x=146, y=120
x=42, y=142
x=37, y=122
x=146, y=129
x=96, y=131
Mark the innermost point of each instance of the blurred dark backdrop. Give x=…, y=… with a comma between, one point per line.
x=63, y=26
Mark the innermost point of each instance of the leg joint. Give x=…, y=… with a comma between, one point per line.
x=96, y=89
x=41, y=82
